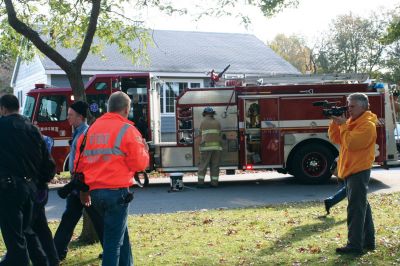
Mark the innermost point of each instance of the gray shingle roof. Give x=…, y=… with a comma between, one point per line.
x=192, y=52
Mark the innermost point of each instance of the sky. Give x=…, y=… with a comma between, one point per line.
x=309, y=19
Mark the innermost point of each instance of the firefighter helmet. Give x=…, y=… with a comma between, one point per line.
x=208, y=110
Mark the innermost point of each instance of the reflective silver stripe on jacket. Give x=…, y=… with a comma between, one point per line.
x=115, y=150
x=210, y=131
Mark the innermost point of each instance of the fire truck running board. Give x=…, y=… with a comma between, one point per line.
x=191, y=169
x=393, y=163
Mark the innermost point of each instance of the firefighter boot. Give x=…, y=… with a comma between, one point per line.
x=214, y=181
x=200, y=182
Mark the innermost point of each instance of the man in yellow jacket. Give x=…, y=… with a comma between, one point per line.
x=210, y=148
x=356, y=137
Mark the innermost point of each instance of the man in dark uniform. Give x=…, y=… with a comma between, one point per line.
x=24, y=162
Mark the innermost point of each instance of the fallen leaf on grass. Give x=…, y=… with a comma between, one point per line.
x=207, y=221
x=231, y=232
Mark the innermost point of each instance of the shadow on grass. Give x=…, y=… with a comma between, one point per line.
x=298, y=233
x=92, y=261
x=77, y=243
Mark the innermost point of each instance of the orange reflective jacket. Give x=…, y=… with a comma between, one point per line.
x=357, y=143
x=114, y=151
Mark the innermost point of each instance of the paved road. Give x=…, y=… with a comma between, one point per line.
x=241, y=190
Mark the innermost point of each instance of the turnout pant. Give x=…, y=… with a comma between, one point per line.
x=360, y=225
x=212, y=159
x=15, y=217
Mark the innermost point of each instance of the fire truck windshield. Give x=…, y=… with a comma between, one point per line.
x=29, y=106
x=53, y=108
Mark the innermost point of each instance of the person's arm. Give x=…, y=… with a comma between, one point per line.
x=334, y=132
x=358, y=138
x=136, y=150
x=47, y=167
x=77, y=153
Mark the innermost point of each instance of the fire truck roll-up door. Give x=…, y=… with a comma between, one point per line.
x=184, y=155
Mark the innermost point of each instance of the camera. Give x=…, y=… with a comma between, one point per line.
x=76, y=183
x=330, y=108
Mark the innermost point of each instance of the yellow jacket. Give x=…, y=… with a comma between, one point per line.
x=357, y=143
x=210, y=133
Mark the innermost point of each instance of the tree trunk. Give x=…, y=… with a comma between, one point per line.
x=88, y=234
x=74, y=75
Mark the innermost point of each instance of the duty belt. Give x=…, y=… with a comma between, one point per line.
x=6, y=182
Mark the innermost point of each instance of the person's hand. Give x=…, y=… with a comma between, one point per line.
x=145, y=144
x=85, y=198
x=339, y=120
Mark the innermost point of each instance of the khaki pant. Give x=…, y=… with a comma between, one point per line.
x=212, y=159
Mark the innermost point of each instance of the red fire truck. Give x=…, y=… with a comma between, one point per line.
x=263, y=126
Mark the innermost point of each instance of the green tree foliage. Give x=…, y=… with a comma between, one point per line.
x=352, y=45
x=392, y=64
x=294, y=50
x=47, y=25
x=6, y=68
x=393, y=30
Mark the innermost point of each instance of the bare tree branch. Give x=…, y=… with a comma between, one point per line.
x=33, y=36
x=91, y=30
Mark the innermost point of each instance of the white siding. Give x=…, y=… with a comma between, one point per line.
x=27, y=74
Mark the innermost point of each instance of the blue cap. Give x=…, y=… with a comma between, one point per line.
x=209, y=110
x=379, y=86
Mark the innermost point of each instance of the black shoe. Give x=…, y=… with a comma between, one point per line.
x=348, y=250
x=327, y=207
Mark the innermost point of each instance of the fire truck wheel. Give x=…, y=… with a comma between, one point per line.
x=311, y=163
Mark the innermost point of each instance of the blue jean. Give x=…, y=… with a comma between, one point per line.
x=111, y=205
x=337, y=197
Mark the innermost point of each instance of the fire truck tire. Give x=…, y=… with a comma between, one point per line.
x=311, y=163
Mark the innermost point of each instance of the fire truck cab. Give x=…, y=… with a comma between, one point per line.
x=47, y=108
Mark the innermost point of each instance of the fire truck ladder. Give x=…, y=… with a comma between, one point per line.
x=292, y=79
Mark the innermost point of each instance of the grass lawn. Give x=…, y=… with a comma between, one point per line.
x=285, y=234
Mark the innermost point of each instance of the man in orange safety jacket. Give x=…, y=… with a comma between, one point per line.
x=113, y=151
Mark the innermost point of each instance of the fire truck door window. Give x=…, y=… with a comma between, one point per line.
x=97, y=104
x=101, y=86
x=252, y=114
x=138, y=111
x=52, y=108
x=29, y=106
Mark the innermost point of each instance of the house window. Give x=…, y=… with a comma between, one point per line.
x=170, y=90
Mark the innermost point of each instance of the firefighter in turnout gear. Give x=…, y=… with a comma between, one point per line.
x=210, y=147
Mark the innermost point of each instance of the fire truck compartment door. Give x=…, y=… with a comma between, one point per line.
x=176, y=156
